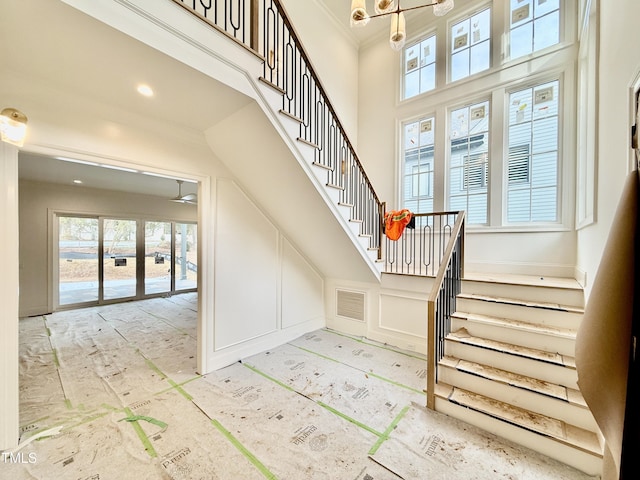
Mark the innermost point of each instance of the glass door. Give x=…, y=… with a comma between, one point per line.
x=119, y=263
x=186, y=254
x=140, y=258
x=78, y=276
x=157, y=257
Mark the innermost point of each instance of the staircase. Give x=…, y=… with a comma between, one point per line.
x=509, y=368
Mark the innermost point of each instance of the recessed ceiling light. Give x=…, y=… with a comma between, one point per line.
x=77, y=181
x=145, y=90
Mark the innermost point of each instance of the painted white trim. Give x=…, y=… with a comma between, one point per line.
x=229, y=355
x=9, y=294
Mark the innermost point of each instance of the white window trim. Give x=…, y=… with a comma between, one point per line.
x=554, y=63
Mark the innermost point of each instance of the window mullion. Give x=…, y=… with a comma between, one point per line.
x=497, y=151
x=440, y=160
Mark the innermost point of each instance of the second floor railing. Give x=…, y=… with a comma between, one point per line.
x=264, y=27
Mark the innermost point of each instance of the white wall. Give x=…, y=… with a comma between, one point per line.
x=395, y=310
x=265, y=292
x=619, y=68
x=9, y=399
x=40, y=201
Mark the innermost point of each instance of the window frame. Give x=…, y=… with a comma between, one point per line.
x=553, y=63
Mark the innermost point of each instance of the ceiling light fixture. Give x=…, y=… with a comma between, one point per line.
x=13, y=126
x=398, y=34
x=190, y=198
x=145, y=90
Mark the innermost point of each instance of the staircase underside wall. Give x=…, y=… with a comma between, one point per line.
x=247, y=143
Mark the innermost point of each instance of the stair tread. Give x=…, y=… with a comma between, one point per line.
x=528, y=280
x=524, y=303
x=307, y=142
x=272, y=85
x=535, y=385
x=291, y=116
x=517, y=324
x=535, y=422
x=462, y=335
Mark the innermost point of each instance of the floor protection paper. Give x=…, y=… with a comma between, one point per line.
x=429, y=445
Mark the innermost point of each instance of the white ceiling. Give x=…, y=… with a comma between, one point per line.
x=71, y=52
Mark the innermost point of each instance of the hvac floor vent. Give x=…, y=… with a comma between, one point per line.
x=350, y=304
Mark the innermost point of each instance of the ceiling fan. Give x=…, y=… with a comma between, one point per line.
x=190, y=198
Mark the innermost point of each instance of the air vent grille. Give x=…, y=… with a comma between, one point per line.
x=350, y=304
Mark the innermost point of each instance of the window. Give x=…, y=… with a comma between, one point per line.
x=532, y=178
x=469, y=161
x=420, y=67
x=535, y=24
x=501, y=152
x=470, y=45
x=418, y=165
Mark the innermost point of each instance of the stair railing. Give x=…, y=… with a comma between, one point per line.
x=421, y=248
x=264, y=27
x=442, y=303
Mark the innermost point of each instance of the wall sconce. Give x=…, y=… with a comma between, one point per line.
x=13, y=126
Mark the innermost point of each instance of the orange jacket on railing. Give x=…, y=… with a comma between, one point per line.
x=395, y=223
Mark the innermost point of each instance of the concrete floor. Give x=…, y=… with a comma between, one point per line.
x=117, y=385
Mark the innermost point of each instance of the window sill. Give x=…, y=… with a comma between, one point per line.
x=518, y=229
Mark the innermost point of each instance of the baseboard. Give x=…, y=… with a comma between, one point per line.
x=412, y=344
x=34, y=311
x=580, y=276
x=229, y=355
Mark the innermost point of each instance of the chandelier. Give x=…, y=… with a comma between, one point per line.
x=398, y=34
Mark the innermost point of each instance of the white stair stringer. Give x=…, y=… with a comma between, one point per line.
x=305, y=152
x=509, y=368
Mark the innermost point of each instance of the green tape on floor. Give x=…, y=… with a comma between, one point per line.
x=242, y=449
x=173, y=384
x=56, y=361
x=151, y=420
x=179, y=385
x=359, y=340
x=323, y=405
x=366, y=372
x=284, y=385
x=317, y=354
x=388, y=431
x=141, y=435
x=421, y=392
x=349, y=419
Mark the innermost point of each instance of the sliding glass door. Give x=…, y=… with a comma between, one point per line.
x=78, y=260
x=119, y=259
x=103, y=260
x=186, y=256
x=157, y=257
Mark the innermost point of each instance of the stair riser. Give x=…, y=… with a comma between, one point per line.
x=540, y=316
x=575, y=458
x=540, y=341
x=529, y=293
x=534, y=402
x=524, y=366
